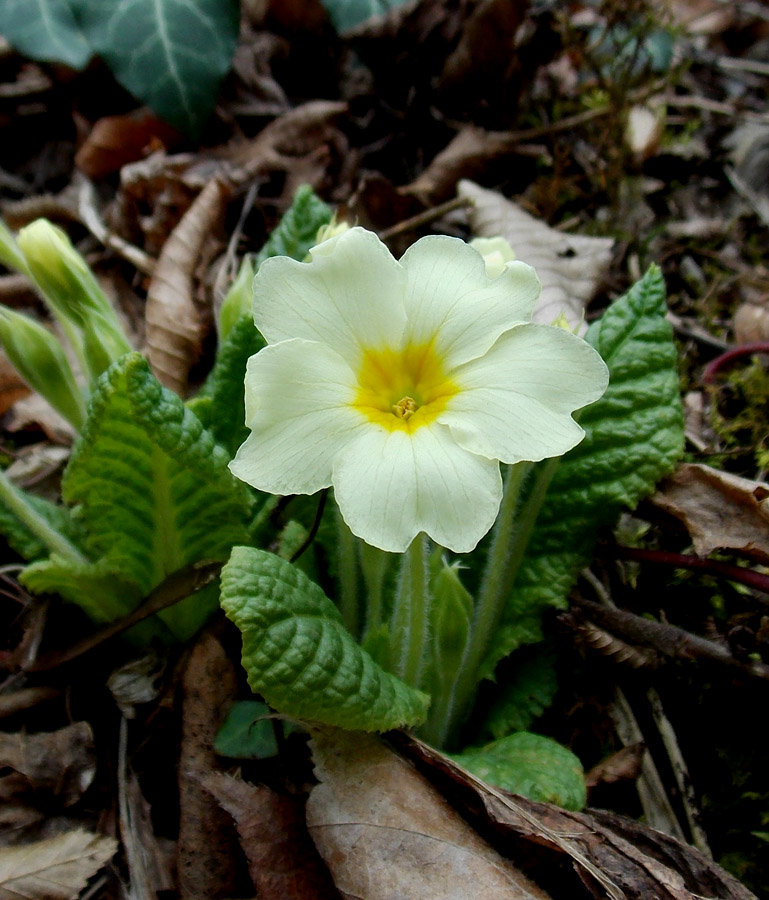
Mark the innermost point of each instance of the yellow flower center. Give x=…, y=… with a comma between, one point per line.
x=403, y=389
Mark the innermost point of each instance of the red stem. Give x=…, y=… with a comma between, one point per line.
x=748, y=577
x=714, y=366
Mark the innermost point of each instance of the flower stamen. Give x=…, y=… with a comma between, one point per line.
x=405, y=408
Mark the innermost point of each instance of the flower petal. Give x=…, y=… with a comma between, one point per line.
x=515, y=402
x=391, y=485
x=349, y=296
x=298, y=396
x=450, y=299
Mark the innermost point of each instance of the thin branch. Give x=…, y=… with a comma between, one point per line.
x=175, y=588
x=668, y=640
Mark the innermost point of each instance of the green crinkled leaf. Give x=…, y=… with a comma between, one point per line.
x=299, y=656
x=100, y=590
x=152, y=490
x=223, y=392
x=298, y=229
x=346, y=14
x=531, y=765
x=21, y=539
x=46, y=30
x=528, y=691
x=634, y=437
x=172, y=55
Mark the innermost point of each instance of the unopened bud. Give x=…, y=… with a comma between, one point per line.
x=239, y=298
x=496, y=253
x=40, y=360
x=73, y=294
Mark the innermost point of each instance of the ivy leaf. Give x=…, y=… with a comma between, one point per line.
x=298, y=655
x=46, y=30
x=531, y=765
x=172, y=54
x=152, y=493
x=346, y=14
x=298, y=229
x=634, y=437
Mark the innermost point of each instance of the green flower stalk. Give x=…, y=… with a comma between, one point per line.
x=74, y=296
x=39, y=358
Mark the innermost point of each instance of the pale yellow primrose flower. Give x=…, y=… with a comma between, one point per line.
x=404, y=383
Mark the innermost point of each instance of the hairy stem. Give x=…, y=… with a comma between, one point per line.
x=13, y=498
x=410, y=630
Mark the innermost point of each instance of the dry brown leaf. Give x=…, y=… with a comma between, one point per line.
x=207, y=840
x=57, y=868
x=720, y=510
x=624, y=765
x=385, y=832
x=282, y=860
x=154, y=194
x=570, y=266
x=34, y=412
x=174, y=330
x=467, y=155
x=484, y=55
x=12, y=388
x=116, y=141
x=58, y=764
x=303, y=143
x=612, y=856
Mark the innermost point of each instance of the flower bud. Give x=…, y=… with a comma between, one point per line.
x=239, y=299
x=39, y=358
x=10, y=255
x=73, y=294
x=331, y=230
x=496, y=253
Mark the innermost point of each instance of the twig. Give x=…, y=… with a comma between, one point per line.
x=706, y=104
x=690, y=329
x=680, y=772
x=669, y=640
x=657, y=809
x=89, y=215
x=175, y=588
x=734, y=64
x=424, y=218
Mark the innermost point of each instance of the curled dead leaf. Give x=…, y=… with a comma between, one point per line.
x=207, y=842
x=174, y=329
x=719, y=510
x=56, y=764
x=57, y=868
x=570, y=266
x=282, y=860
x=612, y=856
x=115, y=141
x=385, y=832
